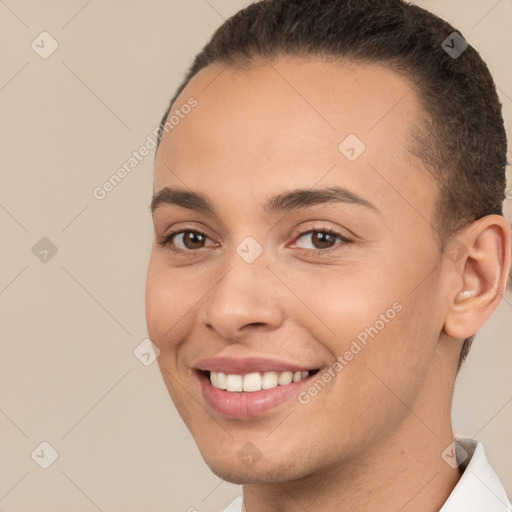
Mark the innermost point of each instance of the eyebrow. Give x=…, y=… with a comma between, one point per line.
x=285, y=202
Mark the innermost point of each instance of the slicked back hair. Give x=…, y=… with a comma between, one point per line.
x=462, y=139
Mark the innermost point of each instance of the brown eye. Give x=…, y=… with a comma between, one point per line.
x=192, y=239
x=185, y=240
x=321, y=239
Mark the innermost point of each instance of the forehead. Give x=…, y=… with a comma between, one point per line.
x=292, y=122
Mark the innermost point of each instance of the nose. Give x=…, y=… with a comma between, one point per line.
x=245, y=298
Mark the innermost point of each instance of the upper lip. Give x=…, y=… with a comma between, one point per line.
x=241, y=366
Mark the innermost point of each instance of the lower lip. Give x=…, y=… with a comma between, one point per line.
x=247, y=404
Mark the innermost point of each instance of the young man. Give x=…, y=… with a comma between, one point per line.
x=328, y=238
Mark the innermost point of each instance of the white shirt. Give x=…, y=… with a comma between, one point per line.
x=478, y=490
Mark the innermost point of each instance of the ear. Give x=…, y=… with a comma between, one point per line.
x=481, y=274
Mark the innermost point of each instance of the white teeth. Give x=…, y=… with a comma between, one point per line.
x=285, y=378
x=222, y=380
x=234, y=382
x=269, y=380
x=254, y=381
x=218, y=380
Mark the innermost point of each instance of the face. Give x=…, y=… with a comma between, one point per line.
x=316, y=254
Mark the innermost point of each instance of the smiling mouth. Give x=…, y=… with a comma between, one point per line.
x=238, y=403
x=255, y=381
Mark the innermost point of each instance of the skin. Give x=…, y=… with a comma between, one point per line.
x=372, y=438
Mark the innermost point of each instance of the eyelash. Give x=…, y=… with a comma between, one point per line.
x=314, y=252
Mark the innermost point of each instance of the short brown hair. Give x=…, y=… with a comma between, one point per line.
x=463, y=141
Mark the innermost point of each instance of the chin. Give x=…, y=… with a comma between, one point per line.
x=262, y=472
x=249, y=476
x=240, y=478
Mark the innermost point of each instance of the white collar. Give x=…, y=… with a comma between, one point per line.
x=478, y=489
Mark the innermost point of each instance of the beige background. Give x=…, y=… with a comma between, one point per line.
x=69, y=325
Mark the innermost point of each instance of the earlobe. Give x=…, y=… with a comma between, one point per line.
x=482, y=275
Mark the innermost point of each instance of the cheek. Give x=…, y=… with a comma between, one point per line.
x=167, y=301
x=377, y=323
x=348, y=302
x=393, y=366
x=166, y=319
x=157, y=304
